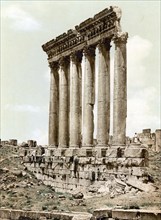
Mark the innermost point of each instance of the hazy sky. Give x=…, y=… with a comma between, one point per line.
x=26, y=25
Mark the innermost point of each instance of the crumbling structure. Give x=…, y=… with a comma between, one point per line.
x=72, y=160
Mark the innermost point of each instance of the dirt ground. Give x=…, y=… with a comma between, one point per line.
x=21, y=190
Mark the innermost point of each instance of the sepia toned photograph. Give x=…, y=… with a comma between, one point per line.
x=80, y=125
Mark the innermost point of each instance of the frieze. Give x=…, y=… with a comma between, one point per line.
x=103, y=22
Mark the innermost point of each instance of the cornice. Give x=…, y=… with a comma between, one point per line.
x=103, y=23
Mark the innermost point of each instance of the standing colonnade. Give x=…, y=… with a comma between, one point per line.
x=67, y=127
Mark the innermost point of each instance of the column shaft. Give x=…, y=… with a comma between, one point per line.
x=63, y=104
x=120, y=90
x=103, y=102
x=89, y=97
x=75, y=101
x=53, y=106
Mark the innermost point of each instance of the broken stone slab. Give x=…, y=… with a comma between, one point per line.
x=102, y=212
x=136, y=214
x=17, y=173
x=92, y=189
x=140, y=185
x=120, y=183
x=82, y=217
x=103, y=190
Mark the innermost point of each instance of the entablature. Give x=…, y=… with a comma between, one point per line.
x=89, y=32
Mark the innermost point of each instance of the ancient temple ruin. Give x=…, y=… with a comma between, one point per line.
x=67, y=127
x=73, y=160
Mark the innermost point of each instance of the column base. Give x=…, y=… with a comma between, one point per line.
x=53, y=146
x=87, y=145
x=74, y=146
x=62, y=146
x=102, y=145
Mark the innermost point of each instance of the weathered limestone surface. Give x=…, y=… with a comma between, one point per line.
x=120, y=214
x=89, y=162
x=89, y=96
x=13, y=142
x=53, y=111
x=68, y=169
x=158, y=140
x=63, y=103
x=103, y=102
x=73, y=131
x=75, y=100
x=106, y=213
x=120, y=89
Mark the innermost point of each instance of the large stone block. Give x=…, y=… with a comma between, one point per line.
x=136, y=214
x=136, y=152
x=111, y=152
x=100, y=152
x=5, y=214
x=140, y=185
x=103, y=212
x=71, y=152
x=57, y=152
x=137, y=171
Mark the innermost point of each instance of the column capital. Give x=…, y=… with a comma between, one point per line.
x=76, y=56
x=54, y=66
x=103, y=44
x=120, y=37
x=89, y=51
x=63, y=62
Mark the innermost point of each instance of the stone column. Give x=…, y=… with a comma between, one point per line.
x=120, y=90
x=89, y=97
x=53, y=107
x=103, y=102
x=63, y=103
x=75, y=99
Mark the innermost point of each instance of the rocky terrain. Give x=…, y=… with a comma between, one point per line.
x=21, y=190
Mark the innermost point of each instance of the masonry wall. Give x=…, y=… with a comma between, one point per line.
x=100, y=214
x=68, y=169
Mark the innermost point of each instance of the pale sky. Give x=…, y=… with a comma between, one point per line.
x=26, y=25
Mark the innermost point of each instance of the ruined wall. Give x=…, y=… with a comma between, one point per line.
x=100, y=214
x=116, y=169
x=120, y=214
x=152, y=140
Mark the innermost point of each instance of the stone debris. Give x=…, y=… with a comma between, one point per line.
x=141, y=186
x=78, y=195
x=75, y=162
